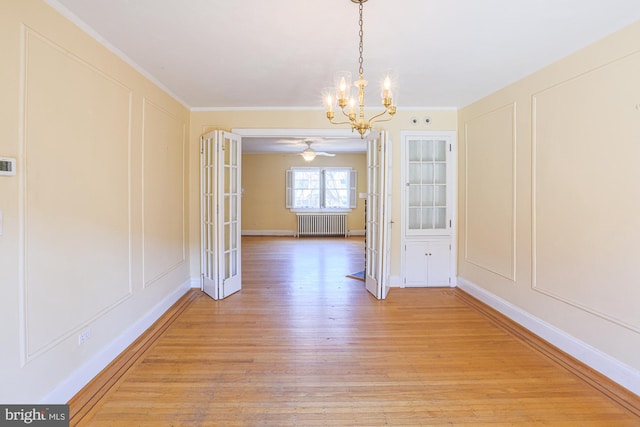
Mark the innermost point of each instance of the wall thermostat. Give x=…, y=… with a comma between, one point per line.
x=7, y=166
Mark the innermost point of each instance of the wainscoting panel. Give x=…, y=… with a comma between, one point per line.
x=490, y=147
x=76, y=232
x=586, y=198
x=163, y=188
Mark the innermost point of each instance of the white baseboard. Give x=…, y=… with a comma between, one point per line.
x=195, y=283
x=80, y=377
x=395, y=282
x=608, y=366
x=268, y=233
x=288, y=233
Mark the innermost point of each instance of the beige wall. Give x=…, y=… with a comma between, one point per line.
x=204, y=121
x=101, y=223
x=95, y=230
x=549, y=199
x=263, y=197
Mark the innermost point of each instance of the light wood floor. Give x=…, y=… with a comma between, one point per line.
x=303, y=345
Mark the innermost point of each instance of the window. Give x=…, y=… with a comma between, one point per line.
x=321, y=188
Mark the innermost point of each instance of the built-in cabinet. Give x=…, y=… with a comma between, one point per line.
x=428, y=263
x=428, y=205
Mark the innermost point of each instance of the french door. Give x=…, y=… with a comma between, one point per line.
x=378, y=218
x=220, y=184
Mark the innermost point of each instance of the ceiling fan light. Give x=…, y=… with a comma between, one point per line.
x=308, y=155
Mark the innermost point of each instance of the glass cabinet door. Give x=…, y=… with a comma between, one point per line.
x=427, y=186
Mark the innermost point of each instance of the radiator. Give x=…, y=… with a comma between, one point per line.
x=322, y=225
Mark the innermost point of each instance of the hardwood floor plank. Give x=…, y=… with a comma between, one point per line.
x=81, y=405
x=303, y=345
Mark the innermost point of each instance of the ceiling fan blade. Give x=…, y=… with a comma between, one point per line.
x=322, y=153
x=288, y=141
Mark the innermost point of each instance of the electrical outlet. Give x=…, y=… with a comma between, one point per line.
x=84, y=336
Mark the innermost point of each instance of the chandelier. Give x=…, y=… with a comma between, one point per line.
x=341, y=95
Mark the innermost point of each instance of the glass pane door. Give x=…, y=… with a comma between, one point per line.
x=426, y=185
x=229, y=202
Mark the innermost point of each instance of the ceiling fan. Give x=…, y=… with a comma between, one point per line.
x=309, y=153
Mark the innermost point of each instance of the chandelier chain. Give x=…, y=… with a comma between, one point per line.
x=361, y=47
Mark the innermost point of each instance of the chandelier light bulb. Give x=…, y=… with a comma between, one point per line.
x=387, y=86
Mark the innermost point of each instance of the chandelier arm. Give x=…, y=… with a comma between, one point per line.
x=345, y=113
x=373, y=119
x=339, y=123
x=351, y=116
x=388, y=119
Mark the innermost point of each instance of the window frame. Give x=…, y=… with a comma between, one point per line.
x=351, y=189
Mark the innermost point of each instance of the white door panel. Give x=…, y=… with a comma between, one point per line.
x=377, y=215
x=416, y=254
x=439, y=260
x=208, y=258
x=220, y=213
x=229, y=224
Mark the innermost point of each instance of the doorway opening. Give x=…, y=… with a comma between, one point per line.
x=266, y=155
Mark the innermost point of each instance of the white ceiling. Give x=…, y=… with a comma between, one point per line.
x=289, y=145
x=217, y=54
x=295, y=140
x=281, y=53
